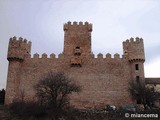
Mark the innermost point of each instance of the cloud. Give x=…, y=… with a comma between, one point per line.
x=153, y=69
x=114, y=21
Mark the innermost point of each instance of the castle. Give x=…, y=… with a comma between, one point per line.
x=104, y=80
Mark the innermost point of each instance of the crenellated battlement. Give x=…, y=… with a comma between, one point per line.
x=134, y=49
x=132, y=40
x=45, y=56
x=108, y=56
x=18, y=48
x=77, y=25
x=20, y=40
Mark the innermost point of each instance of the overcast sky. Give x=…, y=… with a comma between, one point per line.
x=114, y=21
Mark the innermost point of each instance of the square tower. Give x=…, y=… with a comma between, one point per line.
x=77, y=38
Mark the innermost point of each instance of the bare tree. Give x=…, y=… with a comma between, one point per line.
x=143, y=94
x=53, y=91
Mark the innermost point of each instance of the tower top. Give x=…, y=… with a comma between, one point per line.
x=75, y=24
x=18, y=48
x=77, y=38
x=134, y=49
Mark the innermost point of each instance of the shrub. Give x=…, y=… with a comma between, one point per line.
x=2, y=96
x=27, y=110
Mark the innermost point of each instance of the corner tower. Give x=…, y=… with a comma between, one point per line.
x=134, y=52
x=77, y=38
x=17, y=51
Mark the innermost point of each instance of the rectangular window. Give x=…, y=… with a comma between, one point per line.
x=136, y=66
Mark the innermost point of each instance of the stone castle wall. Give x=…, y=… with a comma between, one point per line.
x=103, y=80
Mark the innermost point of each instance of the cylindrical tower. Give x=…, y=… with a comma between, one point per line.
x=17, y=51
x=134, y=51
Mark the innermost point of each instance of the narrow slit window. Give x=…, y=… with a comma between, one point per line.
x=137, y=79
x=136, y=66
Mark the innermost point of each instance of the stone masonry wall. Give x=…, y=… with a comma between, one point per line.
x=103, y=80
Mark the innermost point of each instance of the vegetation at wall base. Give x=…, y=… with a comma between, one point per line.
x=2, y=96
x=143, y=94
x=72, y=114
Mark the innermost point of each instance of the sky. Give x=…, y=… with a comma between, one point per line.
x=114, y=21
